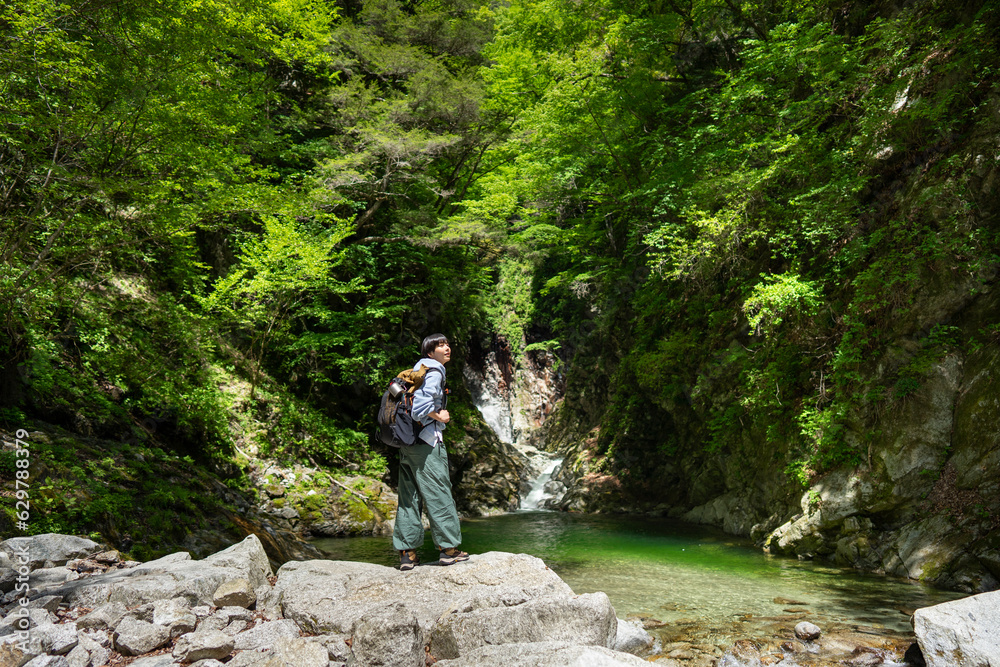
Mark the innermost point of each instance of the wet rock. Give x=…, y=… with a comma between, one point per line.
x=865, y=657
x=544, y=654
x=632, y=638
x=961, y=632
x=807, y=631
x=235, y=593
x=196, y=646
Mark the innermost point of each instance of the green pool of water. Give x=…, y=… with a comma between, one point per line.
x=674, y=572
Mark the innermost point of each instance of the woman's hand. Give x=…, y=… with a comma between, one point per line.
x=441, y=416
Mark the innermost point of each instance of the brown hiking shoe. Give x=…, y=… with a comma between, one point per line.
x=408, y=559
x=452, y=555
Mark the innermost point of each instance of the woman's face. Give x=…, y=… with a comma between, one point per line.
x=441, y=353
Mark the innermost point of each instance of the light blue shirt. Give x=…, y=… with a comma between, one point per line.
x=429, y=398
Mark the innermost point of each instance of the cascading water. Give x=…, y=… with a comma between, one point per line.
x=513, y=407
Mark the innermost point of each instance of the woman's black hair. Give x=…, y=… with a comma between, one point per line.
x=430, y=344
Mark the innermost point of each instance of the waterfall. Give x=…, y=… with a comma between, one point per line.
x=513, y=404
x=544, y=491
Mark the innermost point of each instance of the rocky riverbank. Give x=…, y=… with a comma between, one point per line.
x=69, y=602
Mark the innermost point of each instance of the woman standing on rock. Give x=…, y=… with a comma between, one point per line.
x=424, y=478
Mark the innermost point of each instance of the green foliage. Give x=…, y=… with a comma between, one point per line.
x=777, y=298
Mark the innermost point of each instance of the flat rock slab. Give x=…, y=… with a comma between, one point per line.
x=545, y=654
x=324, y=596
x=961, y=633
x=50, y=548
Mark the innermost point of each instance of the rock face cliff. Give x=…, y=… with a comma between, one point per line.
x=924, y=504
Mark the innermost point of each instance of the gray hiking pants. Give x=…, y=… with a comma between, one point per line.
x=424, y=481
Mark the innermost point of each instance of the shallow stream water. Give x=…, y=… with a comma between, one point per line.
x=717, y=586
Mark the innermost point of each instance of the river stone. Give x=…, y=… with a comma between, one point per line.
x=172, y=576
x=585, y=619
x=961, y=633
x=235, y=593
x=210, y=662
x=632, y=638
x=330, y=596
x=196, y=646
x=265, y=635
x=106, y=616
x=544, y=654
x=50, y=548
x=807, y=631
x=133, y=637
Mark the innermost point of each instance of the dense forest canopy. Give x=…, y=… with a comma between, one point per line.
x=234, y=220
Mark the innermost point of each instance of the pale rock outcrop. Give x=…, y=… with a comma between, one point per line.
x=961, y=633
x=544, y=654
x=48, y=550
x=172, y=576
x=585, y=619
x=327, y=596
x=388, y=637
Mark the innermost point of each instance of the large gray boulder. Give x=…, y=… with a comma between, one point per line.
x=961, y=633
x=48, y=550
x=172, y=576
x=584, y=620
x=544, y=654
x=388, y=637
x=330, y=596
